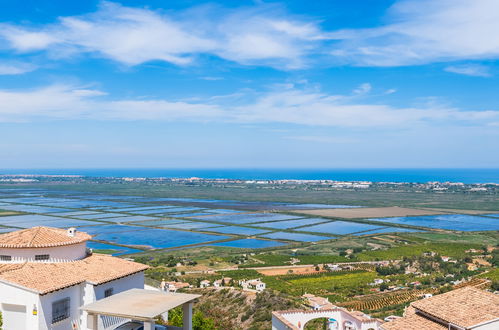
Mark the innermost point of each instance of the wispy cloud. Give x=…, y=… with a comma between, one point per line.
x=15, y=68
x=424, y=31
x=364, y=88
x=474, y=70
x=297, y=106
x=260, y=35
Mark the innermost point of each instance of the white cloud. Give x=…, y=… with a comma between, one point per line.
x=364, y=88
x=475, y=70
x=261, y=35
x=15, y=68
x=291, y=106
x=425, y=31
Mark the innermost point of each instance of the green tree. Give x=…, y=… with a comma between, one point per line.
x=199, y=322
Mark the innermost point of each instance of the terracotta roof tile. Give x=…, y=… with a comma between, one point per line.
x=412, y=322
x=40, y=237
x=464, y=307
x=47, y=277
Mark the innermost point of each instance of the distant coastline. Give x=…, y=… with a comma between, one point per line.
x=374, y=175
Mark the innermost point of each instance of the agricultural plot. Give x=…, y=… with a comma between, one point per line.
x=131, y=218
x=459, y=222
x=385, y=230
x=94, y=230
x=368, y=212
x=157, y=222
x=249, y=243
x=187, y=225
x=223, y=211
x=287, y=224
x=114, y=250
x=235, y=230
x=189, y=215
x=249, y=218
x=341, y=227
x=32, y=220
x=318, y=206
x=378, y=301
x=331, y=283
x=100, y=216
x=157, y=238
x=76, y=213
x=181, y=209
x=295, y=237
x=33, y=209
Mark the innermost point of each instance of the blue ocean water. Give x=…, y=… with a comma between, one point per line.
x=376, y=175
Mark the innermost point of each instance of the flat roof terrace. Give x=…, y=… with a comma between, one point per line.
x=142, y=305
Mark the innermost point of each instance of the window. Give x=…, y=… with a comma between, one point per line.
x=5, y=258
x=42, y=257
x=108, y=292
x=60, y=310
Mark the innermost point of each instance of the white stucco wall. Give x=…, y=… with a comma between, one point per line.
x=299, y=319
x=74, y=293
x=10, y=294
x=57, y=254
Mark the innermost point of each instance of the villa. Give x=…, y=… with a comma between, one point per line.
x=461, y=309
x=50, y=280
x=255, y=284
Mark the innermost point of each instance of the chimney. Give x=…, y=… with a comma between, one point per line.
x=72, y=232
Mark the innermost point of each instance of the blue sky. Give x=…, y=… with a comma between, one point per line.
x=314, y=84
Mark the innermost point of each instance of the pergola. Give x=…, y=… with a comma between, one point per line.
x=141, y=305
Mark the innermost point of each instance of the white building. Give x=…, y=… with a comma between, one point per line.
x=204, y=284
x=338, y=319
x=255, y=284
x=225, y=281
x=47, y=274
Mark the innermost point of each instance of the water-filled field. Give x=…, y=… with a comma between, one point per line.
x=235, y=230
x=248, y=218
x=187, y=225
x=249, y=243
x=459, y=222
x=340, y=227
x=33, y=209
x=157, y=238
x=386, y=230
x=295, y=237
x=287, y=224
x=130, y=218
x=114, y=250
x=100, y=216
x=33, y=220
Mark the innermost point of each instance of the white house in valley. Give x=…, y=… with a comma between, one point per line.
x=47, y=275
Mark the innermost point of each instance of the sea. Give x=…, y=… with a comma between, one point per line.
x=374, y=175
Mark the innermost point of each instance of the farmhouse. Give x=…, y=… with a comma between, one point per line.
x=255, y=284
x=225, y=281
x=463, y=309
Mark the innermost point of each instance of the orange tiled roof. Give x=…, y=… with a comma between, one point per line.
x=413, y=322
x=47, y=277
x=40, y=237
x=464, y=307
